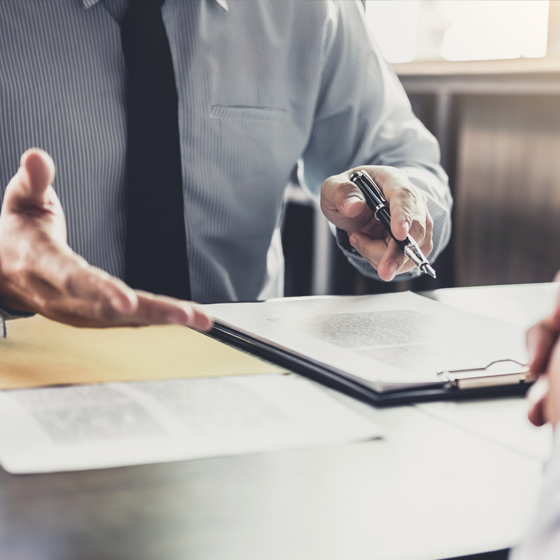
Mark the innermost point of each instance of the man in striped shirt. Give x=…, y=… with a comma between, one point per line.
x=263, y=88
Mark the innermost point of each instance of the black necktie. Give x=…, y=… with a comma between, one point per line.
x=156, y=248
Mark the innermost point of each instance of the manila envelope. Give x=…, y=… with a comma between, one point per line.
x=39, y=352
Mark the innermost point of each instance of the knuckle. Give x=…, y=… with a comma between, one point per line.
x=345, y=189
x=421, y=231
x=107, y=312
x=21, y=263
x=66, y=282
x=409, y=192
x=429, y=222
x=334, y=191
x=331, y=184
x=407, y=199
x=71, y=276
x=429, y=230
x=42, y=302
x=17, y=268
x=401, y=174
x=429, y=246
x=395, y=172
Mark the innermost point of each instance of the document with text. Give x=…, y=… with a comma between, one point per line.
x=117, y=424
x=388, y=342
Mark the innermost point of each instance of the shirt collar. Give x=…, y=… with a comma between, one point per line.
x=221, y=3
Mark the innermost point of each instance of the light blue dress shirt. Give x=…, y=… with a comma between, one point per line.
x=264, y=87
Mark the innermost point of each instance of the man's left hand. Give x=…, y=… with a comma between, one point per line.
x=344, y=205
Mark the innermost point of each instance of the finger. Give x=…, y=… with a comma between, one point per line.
x=405, y=202
x=151, y=310
x=392, y=261
x=385, y=256
x=371, y=249
x=536, y=398
x=202, y=320
x=403, y=205
x=540, y=341
x=154, y=309
x=339, y=194
x=85, y=313
x=28, y=188
x=422, y=229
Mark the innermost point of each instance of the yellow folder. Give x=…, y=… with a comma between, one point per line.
x=39, y=352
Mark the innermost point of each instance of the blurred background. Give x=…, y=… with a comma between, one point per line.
x=484, y=77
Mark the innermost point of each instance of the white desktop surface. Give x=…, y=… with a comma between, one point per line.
x=456, y=478
x=435, y=490
x=449, y=479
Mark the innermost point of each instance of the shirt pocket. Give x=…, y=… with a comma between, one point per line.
x=248, y=112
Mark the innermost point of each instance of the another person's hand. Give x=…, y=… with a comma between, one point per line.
x=544, y=363
x=39, y=273
x=344, y=206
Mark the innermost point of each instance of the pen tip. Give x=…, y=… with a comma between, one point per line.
x=429, y=270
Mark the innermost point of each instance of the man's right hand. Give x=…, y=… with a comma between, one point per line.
x=39, y=273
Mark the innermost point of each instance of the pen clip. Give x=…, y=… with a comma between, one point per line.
x=374, y=186
x=373, y=194
x=363, y=180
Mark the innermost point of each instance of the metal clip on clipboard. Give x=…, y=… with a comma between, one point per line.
x=489, y=376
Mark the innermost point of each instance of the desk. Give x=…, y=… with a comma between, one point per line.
x=441, y=484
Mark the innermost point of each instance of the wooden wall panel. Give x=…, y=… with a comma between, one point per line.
x=507, y=199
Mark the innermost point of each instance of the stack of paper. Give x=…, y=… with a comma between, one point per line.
x=117, y=424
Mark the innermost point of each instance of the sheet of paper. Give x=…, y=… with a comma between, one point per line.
x=389, y=340
x=503, y=421
x=116, y=424
x=40, y=352
x=522, y=304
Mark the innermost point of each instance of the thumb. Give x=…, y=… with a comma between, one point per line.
x=28, y=188
x=339, y=194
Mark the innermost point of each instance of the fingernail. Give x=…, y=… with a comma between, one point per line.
x=405, y=223
x=202, y=321
x=352, y=241
x=205, y=323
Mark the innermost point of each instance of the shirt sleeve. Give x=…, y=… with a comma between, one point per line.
x=363, y=117
x=543, y=540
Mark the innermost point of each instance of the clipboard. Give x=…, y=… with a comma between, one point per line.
x=499, y=376
x=475, y=383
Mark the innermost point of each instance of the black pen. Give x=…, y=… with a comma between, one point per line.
x=380, y=207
